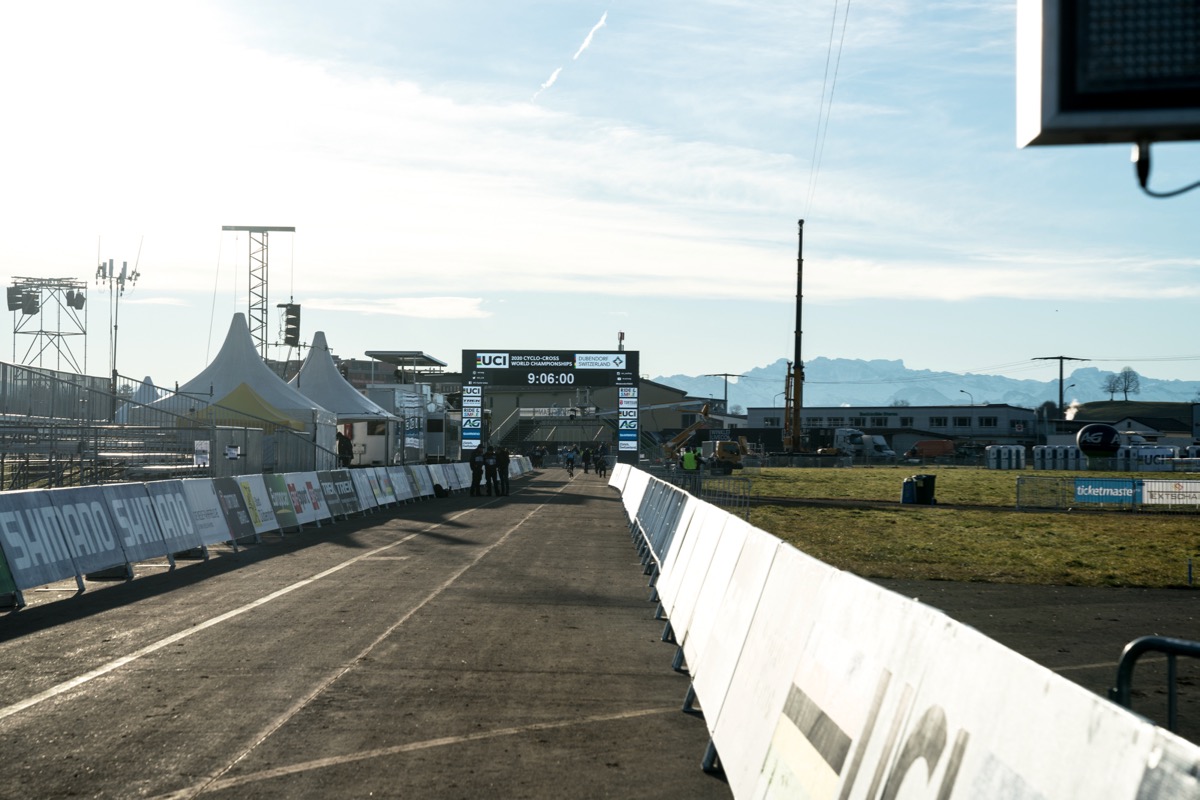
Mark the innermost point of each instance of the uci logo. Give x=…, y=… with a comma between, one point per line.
x=491, y=360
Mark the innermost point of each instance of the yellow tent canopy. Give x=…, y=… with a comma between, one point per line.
x=245, y=407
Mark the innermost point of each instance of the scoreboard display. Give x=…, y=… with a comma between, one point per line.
x=551, y=370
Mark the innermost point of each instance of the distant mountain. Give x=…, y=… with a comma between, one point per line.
x=853, y=382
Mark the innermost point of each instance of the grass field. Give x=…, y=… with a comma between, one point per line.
x=975, y=533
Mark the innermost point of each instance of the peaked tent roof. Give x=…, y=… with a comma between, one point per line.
x=145, y=394
x=244, y=406
x=320, y=380
x=238, y=363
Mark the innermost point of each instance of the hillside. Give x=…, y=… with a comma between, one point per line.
x=853, y=382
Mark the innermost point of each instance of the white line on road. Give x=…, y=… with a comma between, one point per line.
x=104, y=669
x=212, y=780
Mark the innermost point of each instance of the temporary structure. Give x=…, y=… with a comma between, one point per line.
x=238, y=389
x=145, y=394
x=320, y=381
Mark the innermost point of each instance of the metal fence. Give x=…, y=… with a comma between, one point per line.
x=1144, y=495
x=58, y=429
x=728, y=492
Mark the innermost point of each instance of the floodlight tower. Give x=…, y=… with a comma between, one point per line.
x=34, y=298
x=257, y=315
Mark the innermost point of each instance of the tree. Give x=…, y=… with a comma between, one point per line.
x=1112, y=384
x=900, y=403
x=1130, y=382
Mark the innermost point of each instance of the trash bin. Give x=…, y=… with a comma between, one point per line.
x=923, y=489
x=908, y=491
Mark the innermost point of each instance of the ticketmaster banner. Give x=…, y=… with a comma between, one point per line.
x=1112, y=491
x=176, y=520
x=33, y=543
x=82, y=514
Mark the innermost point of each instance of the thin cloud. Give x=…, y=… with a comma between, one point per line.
x=414, y=307
x=549, y=82
x=588, y=39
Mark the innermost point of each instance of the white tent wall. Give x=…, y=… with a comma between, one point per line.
x=373, y=425
x=308, y=445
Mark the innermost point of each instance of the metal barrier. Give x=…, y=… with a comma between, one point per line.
x=1122, y=693
x=730, y=493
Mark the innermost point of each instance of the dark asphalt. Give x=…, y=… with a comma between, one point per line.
x=458, y=647
x=452, y=648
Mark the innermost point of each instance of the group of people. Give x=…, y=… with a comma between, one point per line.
x=489, y=467
x=589, y=458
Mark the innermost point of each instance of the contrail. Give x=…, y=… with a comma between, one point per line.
x=549, y=82
x=588, y=39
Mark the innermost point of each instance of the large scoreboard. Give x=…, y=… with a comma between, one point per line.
x=551, y=370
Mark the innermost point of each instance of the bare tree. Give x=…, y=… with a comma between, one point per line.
x=1112, y=384
x=1131, y=382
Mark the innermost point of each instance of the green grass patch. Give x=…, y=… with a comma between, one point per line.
x=992, y=542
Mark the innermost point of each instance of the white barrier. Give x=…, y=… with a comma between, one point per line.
x=817, y=683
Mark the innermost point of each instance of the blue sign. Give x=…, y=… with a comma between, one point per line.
x=1121, y=491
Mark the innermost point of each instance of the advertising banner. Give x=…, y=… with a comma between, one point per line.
x=281, y=502
x=421, y=480
x=308, y=500
x=233, y=507
x=83, y=516
x=362, y=488
x=329, y=490
x=1120, y=491
x=137, y=524
x=258, y=503
x=401, y=483
x=1171, y=493
x=33, y=542
x=344, y=486
x=209, y=515
x=387, y=493
x=175, y=518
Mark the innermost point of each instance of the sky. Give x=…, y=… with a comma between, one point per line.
x=547, y=175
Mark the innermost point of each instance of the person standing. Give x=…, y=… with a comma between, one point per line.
x=587, y=459
x=476, y=470
x=690, y=461
x=502, y=461
x=345, y=449
x=490, y=476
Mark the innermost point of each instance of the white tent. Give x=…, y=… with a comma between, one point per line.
x=320, y=381
x=243, y=391
x=145, y=394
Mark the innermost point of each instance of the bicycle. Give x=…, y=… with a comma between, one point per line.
x=570, y=469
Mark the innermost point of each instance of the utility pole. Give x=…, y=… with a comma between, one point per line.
x=1060, y=360
x=726, y=376
x=794, y=386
